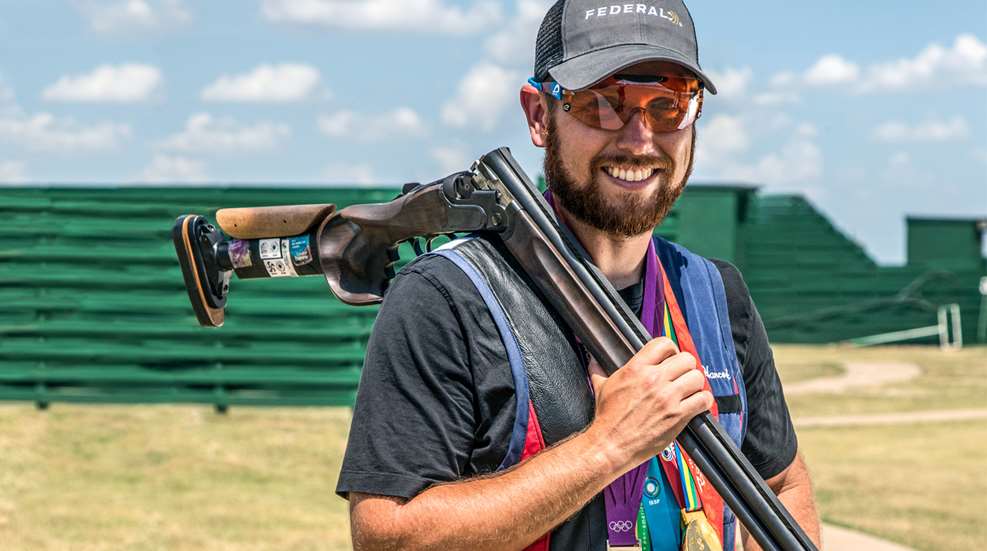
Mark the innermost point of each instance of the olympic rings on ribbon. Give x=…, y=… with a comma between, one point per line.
x=621, y=525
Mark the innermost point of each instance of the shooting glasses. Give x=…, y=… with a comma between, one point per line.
x=668, y=103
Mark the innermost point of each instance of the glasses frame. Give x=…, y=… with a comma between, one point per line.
x=555, y=90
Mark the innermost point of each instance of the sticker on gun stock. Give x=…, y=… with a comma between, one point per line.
x=270, y=249
x=300, y=251
x=240, y=254
x=279, y=268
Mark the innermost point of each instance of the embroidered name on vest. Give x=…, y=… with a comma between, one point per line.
x=716, y=374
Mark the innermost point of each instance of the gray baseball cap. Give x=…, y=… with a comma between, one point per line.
x=581, y=42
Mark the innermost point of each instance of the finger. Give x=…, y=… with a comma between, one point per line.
x=596, y=374
x=696, y=404
x=689, y=383
x=656, y=351
x=678, y=365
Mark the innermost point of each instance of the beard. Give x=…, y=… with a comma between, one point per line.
x=630, y=214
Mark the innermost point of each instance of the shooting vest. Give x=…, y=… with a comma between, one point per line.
x=553, y=394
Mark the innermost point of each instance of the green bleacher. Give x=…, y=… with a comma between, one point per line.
x=93, y=308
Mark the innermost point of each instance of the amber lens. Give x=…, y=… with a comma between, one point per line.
x=610, y=107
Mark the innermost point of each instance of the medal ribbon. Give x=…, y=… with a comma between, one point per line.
x=623, y=497
x=696, y=492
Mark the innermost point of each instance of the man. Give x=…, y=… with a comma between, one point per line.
x=475, y=426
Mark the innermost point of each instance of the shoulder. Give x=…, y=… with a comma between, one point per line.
x=738, y=295
x=745, y=325
x=426, y=278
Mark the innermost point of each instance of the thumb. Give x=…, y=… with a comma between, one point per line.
x=596, y=375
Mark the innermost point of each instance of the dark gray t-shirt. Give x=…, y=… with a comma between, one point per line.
x=436, y=396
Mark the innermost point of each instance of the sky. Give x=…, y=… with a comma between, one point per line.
x=873, y=110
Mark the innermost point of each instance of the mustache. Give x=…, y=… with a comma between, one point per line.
x=639, y=161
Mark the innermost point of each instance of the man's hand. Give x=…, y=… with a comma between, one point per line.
x=646, y=403
x=640, y=409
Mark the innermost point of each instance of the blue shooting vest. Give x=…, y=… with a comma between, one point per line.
x=553, y=398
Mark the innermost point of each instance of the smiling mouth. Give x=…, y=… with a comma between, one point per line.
x=632, y=175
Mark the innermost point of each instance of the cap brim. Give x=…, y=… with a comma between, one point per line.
x=590, y=68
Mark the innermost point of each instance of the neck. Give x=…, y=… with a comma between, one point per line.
x=621, y=259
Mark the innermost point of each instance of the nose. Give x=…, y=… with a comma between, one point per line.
x=636, y=136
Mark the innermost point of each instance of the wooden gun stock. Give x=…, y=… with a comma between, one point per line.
x=259, y=222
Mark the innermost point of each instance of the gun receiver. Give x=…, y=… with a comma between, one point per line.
x=355, y=249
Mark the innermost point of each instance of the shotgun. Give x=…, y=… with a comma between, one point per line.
x=355, y=249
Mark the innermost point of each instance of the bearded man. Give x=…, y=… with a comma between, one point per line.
x=482, y=423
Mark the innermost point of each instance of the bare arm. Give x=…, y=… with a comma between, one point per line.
x=512, y=509
x=509, y=510
x=794, y=488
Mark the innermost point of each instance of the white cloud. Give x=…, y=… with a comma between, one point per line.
x=721, y=137
x=481, y=97
x=807, y=130
x=12, y=172
x=724, y=152
x=286, y=82
x=771, y=99
x=46, y=132
x=731, y=83
x=798, y=162
x=349, y=173
x=131, y=15
x=831, y=69
x=928, y=131
x=782, y=79
x=130, y=82
x=205, y=133
x=450, y=158
x=165, y=169
x=964, y=63
x=514, y=41
x=402, y=121
x=430, y=16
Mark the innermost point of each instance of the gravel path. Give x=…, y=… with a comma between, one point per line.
x=930, y=416
x=857, y=375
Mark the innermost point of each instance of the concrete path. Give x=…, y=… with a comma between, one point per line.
x=835, y=538
x=931, y=416
x=857, y=375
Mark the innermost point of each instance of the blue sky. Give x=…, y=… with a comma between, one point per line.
x=872, y=109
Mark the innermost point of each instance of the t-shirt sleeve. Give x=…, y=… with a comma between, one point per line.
x=770, y=442
x=413, y=420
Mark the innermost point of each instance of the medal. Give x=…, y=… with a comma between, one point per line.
x=699, y=534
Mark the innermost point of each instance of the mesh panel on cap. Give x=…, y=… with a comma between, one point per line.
x=548, y=46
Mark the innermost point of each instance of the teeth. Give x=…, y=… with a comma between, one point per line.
x=630, y=175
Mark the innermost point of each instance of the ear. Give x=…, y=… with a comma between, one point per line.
x=536, y=111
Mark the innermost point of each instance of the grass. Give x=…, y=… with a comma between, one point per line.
x=918, y=485
x=182, y=477
x=171, y=477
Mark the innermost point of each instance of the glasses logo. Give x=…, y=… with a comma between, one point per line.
x=604, y=11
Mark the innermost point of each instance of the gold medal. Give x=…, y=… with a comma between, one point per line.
x=698, y=534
